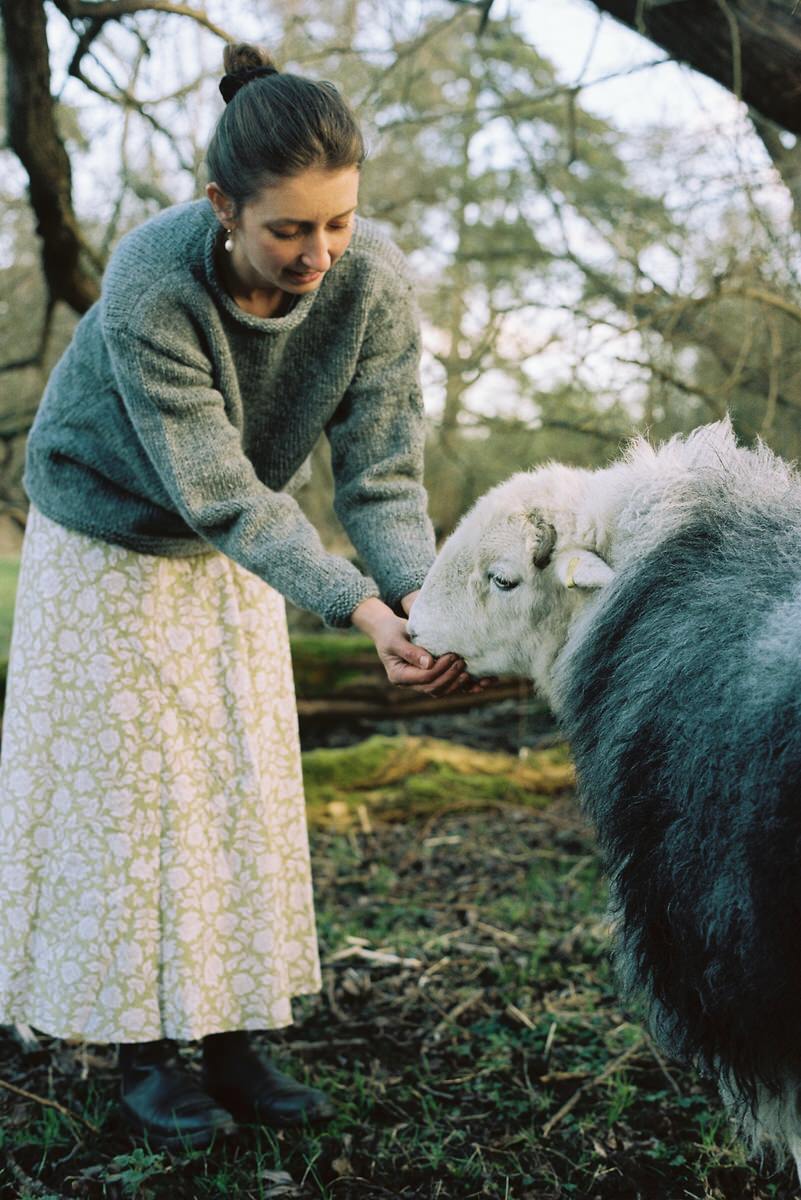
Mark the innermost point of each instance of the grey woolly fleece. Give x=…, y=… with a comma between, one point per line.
x=175, y=419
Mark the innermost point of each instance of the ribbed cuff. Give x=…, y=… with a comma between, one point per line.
x=410, y=581
x=338, y=612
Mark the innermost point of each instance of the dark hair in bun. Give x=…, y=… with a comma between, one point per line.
x=241, y=56
x=275, y=125
x=242, y=63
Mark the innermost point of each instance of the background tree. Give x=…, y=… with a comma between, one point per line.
x=750, y=46
x=575, y=282
x=481, y=166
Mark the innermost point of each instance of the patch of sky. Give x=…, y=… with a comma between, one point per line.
x=498, y=396
x=661, y=266
x=390, y=115
x=456, y=91
x=9, y=246
x=493, y=147
x=589, y=47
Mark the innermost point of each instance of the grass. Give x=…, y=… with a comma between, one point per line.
x=485, y=1054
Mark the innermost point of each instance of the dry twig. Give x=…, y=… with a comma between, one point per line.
x=611, y=1069
x=43, y=1100
x=450, y=1018
x=380, y=958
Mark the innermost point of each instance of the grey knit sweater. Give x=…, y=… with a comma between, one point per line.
x=174, y=420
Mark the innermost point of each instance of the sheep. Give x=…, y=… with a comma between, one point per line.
x=656, y=604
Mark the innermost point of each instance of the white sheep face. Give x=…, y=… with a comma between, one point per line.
x=502, y=592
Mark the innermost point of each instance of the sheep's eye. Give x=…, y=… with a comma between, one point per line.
x=503, y=584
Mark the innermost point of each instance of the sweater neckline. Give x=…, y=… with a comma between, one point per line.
x=293, y=318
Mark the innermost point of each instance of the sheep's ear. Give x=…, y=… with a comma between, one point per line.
x=582, y=569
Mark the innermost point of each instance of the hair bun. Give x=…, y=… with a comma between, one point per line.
x=243, y=62
x=243, y=56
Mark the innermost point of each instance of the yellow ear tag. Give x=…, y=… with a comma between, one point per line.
x=571, y=570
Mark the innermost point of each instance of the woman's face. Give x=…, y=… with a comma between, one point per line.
x=293, y=231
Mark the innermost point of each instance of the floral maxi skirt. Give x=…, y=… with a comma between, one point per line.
x=154, y=861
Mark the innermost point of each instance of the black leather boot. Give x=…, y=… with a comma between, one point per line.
x=165, y=1102
x=253, y=1089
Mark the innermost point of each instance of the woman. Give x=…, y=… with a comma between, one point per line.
x=154, y=869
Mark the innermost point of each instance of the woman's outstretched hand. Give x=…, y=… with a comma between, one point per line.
x=408, y=665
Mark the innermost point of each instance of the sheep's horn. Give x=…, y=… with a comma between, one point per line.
x=545, y=544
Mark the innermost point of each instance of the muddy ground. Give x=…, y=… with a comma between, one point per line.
x=469, y=1032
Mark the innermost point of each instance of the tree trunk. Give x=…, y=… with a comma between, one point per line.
x=34, y=137
x=752, y=47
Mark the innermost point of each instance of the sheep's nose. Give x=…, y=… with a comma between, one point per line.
x=412, y=633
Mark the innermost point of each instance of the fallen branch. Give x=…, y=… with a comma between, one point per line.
x=379, y=958
x=329, y=1044
x=43, y=1100
x=31, y=1186
x=518, y=1015
x=401, y=703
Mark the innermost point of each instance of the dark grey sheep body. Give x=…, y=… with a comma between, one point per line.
x=682, y=702
x=657, y=604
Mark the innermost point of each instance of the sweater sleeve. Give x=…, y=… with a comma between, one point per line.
x=180, y=419
x=377, y=438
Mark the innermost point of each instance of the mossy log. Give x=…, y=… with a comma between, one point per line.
x=334, y=664
x=393, y=779
x=340, y=676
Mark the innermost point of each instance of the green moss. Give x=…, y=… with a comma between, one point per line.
x=333, y=647
x=349, y=769
x=325, y=664
x=395, y=778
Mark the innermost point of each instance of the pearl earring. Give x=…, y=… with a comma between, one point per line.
x=229, y=241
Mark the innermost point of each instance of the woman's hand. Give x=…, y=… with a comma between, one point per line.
x=471, y=686
x=408, y=665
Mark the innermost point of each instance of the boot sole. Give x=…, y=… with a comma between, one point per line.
x=199, y=1139
x=243, y=1114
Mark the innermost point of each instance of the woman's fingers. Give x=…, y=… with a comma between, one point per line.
x=450, y=680
x=446, y=668
x=458, y=684
x=481, y=685
x=443, y=677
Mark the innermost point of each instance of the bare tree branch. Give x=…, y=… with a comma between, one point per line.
x=482, y=6
x=92, y=30
x=751, y=47
x=587, y=430
x=711, y=399
x=770, y=299
x=506, y=107
x=113, y=10
x=126, y=98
